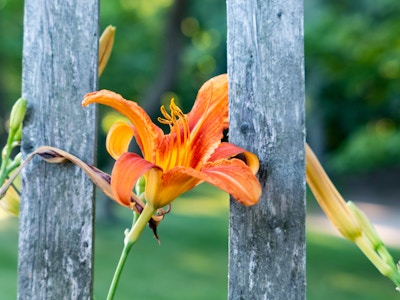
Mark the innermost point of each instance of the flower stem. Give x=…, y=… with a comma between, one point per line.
x=14, y=136
x=118, y=271
x=6, y=153
x=133, y=235
x=387, y=269
x=130, y=238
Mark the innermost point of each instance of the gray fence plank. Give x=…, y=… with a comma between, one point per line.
x=266, y=92
x=57, y=204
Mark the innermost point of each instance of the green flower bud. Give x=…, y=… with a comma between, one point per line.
x=17, y=114
x=140, y=186
x=4, y=152
x=18, y=134
x=17, y=159
x=366, y=225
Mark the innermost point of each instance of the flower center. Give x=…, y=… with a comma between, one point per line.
x=178, y=152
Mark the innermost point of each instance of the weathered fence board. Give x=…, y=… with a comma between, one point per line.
x=266, y=91
x=57, y=210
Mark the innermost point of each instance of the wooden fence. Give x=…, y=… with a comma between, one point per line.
x=266, y=92
x=57, y=212
x=266, y=88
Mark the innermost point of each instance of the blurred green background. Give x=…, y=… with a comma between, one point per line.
x=167, y=48
x=191, y=261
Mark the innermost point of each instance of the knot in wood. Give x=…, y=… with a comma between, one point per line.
x=244, y=127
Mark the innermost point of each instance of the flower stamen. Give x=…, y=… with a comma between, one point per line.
x=179, y=133
x=167, y=120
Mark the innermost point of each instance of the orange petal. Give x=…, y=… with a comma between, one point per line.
x=147, y=132
x=208, y=118
x=118, y=139
x=211, y=98
x=164, y=188
x=127, y=170
x=252, y=161
x=232, y=176
x=227, y=150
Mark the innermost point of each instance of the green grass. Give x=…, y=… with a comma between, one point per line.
x=336, y=269
x=191, y=262
x=8, y=258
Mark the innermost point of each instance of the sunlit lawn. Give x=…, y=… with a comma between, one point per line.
x=191, y=262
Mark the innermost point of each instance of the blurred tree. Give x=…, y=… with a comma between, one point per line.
x=10, y=58
x=167, y=48
x=353, y=71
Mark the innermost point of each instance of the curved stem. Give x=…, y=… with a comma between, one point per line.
x=133, y=235
x=118, y=271
x=130, y=238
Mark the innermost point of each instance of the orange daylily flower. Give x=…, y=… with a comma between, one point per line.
x=190, y=154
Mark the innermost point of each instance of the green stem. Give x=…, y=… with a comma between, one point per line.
x=118, y=271
x=4, y=161
x=133, y=235
x=130, y=238
x=386, y=269
x=11, y=167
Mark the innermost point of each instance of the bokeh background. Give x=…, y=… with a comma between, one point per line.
x=167, y=48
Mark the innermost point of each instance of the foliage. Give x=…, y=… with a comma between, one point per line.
x=352, y=59
x=373, y=146
x=140, y=46
x=353, y=66
x=10, y=58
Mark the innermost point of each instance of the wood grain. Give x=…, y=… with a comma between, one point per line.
x=266, y=92
x=57, y=205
